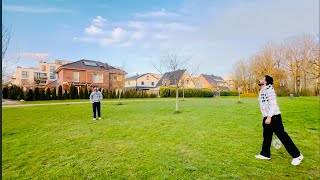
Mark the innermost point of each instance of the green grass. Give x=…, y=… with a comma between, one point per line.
x=207, y=139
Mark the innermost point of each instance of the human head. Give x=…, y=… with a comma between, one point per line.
x=266, y=80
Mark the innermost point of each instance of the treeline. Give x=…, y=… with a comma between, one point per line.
x=294, y=64
x=16, y=93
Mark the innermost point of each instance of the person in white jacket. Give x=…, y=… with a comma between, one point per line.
x=272, y=123
x=95, y=99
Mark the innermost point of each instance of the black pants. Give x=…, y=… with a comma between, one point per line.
x=276, y=127
x=96, y=107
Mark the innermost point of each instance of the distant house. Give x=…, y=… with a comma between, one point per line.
x=41, y=76
x=90, y=73
x=145, y=81
x=180, y=77
x=215, y=83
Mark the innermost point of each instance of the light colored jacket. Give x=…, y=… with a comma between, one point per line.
x=96, y=96
x=268, y=102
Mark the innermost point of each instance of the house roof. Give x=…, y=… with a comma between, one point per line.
x=157, y=76
x=169, y=75
x=52, y=84
x=213, y=80
x=85, y=64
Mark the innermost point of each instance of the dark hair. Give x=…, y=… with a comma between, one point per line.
x=269, y=79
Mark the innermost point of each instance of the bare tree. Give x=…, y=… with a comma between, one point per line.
x=173, y=63
x=7, y=62
x=120, y=81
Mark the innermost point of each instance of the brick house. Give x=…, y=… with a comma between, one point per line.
x=214, y=83
x=90, y=73
x=182, y=77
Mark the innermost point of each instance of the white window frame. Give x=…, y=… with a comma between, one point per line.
x=27, y=74
x=54, y=68
x=99, y=78
x=76, y=79
x=54, y=76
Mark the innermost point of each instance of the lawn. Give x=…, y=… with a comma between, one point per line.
x=209, y=139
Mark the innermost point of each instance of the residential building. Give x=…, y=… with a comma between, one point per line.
x=90, y=73
x=182, y=77
x=215, y=83
x=145, y=81
x=29, y=77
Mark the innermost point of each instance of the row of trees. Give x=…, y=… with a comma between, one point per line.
x=17, y=93
x=294, y=64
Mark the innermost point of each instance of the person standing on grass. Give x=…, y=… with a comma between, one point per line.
x=95, y=99
x=272, y=123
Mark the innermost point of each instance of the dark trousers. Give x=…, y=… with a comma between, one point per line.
x=96, y=107
x=276, y=127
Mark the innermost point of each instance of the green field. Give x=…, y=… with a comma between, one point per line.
x=209, y=139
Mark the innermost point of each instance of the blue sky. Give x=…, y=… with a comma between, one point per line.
x=213, y=33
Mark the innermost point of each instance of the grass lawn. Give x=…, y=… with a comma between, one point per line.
x=210, y=138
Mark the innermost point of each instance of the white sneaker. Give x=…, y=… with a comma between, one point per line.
x=259, y=156
x=296, y=161
x=94, y=119
x=99, y=118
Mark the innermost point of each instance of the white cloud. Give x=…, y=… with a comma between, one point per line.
x=34, y=56
x=173, y=26
x=93, y=30
x=26, y=9
x=137, y=24
x=118, y=33
x=137, y=35
x=98, y=21
x=161, y=13
x=84, y=39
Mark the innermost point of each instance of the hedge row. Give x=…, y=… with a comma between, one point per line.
x=17, y=93
x=171, y=92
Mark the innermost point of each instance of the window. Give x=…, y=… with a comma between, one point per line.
x=52, y=68
x=152, y=83
x=25, y=74
x=117, y=78
x=147, y=77
x=75, y=76
x=97, y=78
x=44, y=68
x=129, y=83
x=40, y=75
x=52, y=76
x=142, y=82
x=87, y=63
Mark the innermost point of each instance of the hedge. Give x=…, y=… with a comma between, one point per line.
x=171, y=92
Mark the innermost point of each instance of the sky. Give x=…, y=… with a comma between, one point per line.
x=214, y=34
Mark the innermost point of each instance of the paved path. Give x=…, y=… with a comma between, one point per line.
x=87, y=102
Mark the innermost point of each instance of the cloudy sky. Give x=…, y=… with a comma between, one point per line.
x=214, y=33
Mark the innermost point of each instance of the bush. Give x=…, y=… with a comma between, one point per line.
x=60, y=95
x=81, y=95
x=5, y=93
x=229, y=93
x=54, y=94
x=42, y=94
x=21, y=94
x=306, y=92
x=66, y=95
x=30, y=95
x=36, y=94
x=171, y=92
x=48, y=94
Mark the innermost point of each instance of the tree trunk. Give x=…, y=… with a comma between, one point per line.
x=119, y=92
x=183, y=92
x=177, y=95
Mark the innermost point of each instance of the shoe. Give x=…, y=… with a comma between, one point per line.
x=296, y=161
x=259, y=156
x=99, y=118
x=94, y=119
